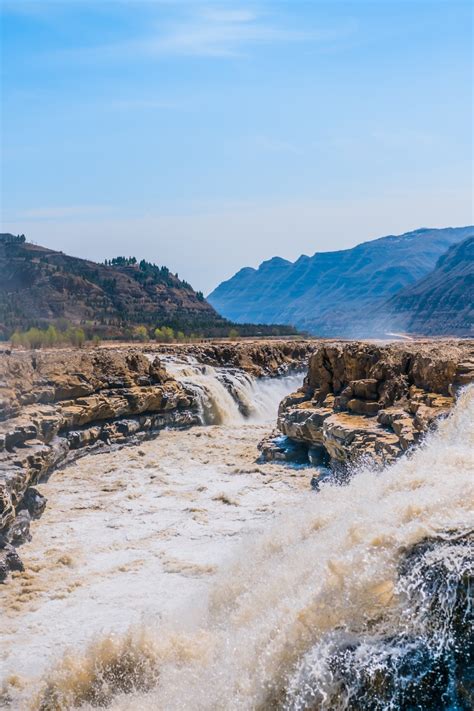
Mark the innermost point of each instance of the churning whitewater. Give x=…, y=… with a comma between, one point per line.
x=277, y=597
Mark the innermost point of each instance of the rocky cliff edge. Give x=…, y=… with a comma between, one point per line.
x=365, y=400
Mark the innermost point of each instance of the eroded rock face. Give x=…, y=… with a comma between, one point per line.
x=56, y=405
x=9, y=560
x=364, y=400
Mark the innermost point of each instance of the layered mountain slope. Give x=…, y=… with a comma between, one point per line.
x=442, y=302
x=39, y=285
x=334, y=293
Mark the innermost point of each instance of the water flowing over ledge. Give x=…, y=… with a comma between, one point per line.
x=230, y=396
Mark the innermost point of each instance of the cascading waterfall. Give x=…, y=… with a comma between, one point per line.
x=229, y=396
x=360, y=599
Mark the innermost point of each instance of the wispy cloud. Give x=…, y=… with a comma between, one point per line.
x=215, y=32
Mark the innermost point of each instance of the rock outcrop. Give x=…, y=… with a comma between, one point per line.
x=363, y=400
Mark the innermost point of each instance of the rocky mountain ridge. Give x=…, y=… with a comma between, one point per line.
x=440, y=304
x=336, y=294
x=41, y=286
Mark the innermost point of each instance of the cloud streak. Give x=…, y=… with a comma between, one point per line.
x=211, y=33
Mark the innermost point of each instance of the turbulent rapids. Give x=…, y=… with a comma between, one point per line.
x=235, y=585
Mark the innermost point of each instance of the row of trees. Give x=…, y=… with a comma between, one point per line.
x=47, y=337
x=149, y=272
x=7, y=238
x=51, y=336
x=166, y=334
x=63, y=332
x=120, y=262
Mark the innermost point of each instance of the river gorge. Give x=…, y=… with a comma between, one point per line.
x=329, y=569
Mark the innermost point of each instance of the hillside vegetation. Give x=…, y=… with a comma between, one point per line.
x=40, y=287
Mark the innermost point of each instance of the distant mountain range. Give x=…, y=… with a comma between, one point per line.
x=40, y=286
x=352, y=292
x=440, y=304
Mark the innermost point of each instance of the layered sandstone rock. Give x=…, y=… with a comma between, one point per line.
x=364, y=400
x=56, y=405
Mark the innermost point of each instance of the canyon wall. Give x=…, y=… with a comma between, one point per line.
x=59, y=404
x=259, y=358
x=359, y=400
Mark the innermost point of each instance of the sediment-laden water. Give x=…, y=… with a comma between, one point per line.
x=183, y=575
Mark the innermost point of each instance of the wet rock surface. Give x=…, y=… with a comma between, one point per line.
x=364, y=400
x=278, y=448
x=427, y=664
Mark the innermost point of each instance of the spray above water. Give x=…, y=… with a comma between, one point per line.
x=360, y=599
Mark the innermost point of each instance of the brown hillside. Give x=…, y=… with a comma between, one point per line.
x=40, y=286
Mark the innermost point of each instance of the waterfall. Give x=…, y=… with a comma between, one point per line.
x=361, y=598
x=227, y=396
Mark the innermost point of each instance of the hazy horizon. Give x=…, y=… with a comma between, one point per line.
x=212, y=136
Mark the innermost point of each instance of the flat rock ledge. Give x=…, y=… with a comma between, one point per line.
x=364, y=401
x=58, y=405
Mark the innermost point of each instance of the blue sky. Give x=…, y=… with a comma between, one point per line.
x=212, y=135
